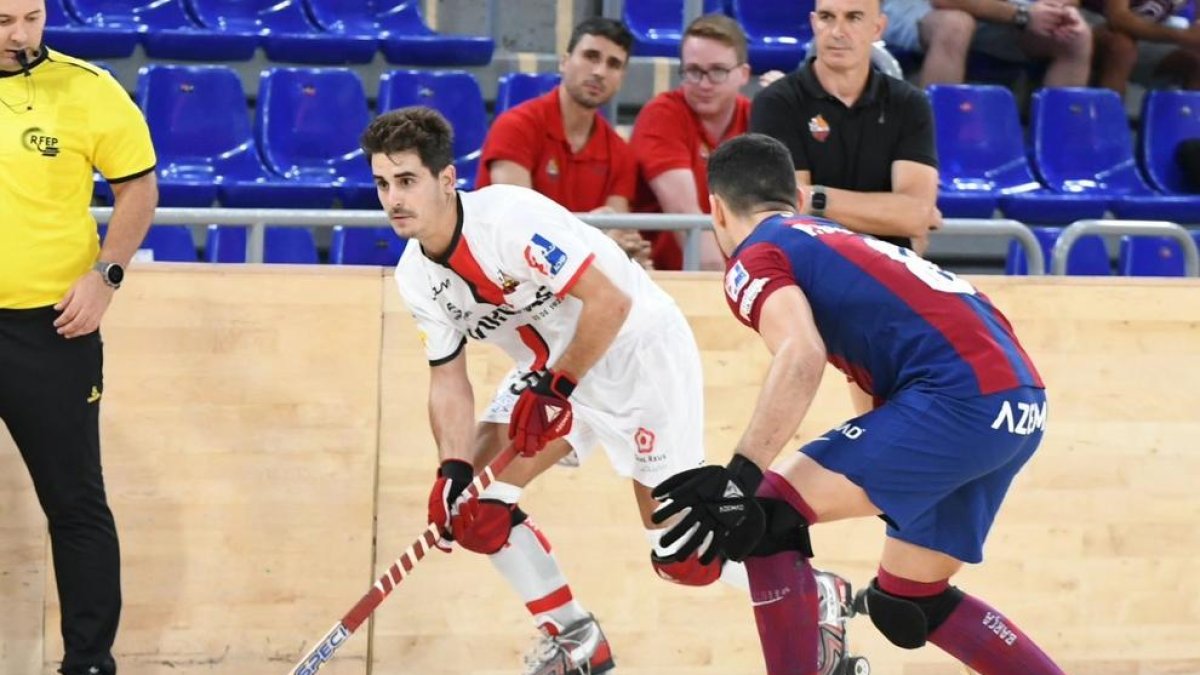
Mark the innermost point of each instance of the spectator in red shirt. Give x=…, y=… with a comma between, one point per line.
x=560, y=146
x=676, y=130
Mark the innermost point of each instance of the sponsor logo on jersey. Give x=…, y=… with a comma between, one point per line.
x=752, y=292
x=735, y=280
x=1028, y=418
x=499, y=316
x=819, y=128
x=545, y=257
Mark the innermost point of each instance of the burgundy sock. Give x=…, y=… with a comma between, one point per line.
x=784, y=593
x=976, y=634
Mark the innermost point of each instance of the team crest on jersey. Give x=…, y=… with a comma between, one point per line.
x=507, y=283
x=819, y=128
x=705, y=151
x=544, y=256
x=735, y=280
x=552, y=168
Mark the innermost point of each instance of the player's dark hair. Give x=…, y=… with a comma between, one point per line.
x=600, y=26
x=418, y=129
x=753, y=172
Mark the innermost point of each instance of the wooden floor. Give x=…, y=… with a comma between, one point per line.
x=267, y=454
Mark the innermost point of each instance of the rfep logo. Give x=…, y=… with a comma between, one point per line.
x=37, y=140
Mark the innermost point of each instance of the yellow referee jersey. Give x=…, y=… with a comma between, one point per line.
x=57, y=123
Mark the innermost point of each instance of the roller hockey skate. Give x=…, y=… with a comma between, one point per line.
x=837, y=607
x=578, y=649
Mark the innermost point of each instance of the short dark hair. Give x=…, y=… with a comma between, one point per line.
x=753, y=172
x=417, y=128
x=722, y=29
x=600, y=26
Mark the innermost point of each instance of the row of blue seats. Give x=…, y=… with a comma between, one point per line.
x=302, y=149
x=1083, y=163
x=1137, y=256
x=281, y=245
x=297, y=31
x=777, y=31
x=1140, y=256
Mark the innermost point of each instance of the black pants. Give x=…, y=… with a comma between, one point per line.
x=50, y=401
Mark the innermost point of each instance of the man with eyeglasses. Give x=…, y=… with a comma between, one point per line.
x=677, y=130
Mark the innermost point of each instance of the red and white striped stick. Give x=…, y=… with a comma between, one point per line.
x=398, y=572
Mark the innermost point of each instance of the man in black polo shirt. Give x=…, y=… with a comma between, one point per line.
x=862, y=143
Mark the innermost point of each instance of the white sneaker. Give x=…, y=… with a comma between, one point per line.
x=580, y=649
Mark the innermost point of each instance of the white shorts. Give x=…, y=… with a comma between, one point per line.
x=643, y=401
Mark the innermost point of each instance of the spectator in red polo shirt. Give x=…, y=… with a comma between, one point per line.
x=560, y=146
x=676, y=130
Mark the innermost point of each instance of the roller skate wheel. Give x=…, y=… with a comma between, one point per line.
x=859, y=666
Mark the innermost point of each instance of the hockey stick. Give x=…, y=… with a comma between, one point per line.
x=398, y=572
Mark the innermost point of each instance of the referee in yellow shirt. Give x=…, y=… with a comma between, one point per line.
x=60, y=118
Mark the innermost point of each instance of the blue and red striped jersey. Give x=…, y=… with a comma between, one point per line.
x=890, y=319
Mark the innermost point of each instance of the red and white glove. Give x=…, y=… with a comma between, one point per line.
x=453, y=478
x=542, y=413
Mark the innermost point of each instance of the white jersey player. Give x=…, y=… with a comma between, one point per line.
x=603, y=357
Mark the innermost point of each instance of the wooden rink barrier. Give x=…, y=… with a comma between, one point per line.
x=267, y=455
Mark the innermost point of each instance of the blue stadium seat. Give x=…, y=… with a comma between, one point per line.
x=281, y=244
x=365, y=246
x=67, y=34
x=1168, y=117
x=982, y=160
x=166, y=30
x=513, y=89
x=455, y=94
x=777, y=32
x=201, y=132
x=657, y=26
x=1082, y=145
x=307, y=125
x=403, y=34
x=717, y=7
x=1088, y=255
x=287, y=34
x=170, y=243
x=1150, y=257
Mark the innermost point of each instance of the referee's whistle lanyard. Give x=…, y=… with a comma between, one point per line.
x=26, y=75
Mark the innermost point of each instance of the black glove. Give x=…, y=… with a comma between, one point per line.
x=718, y=501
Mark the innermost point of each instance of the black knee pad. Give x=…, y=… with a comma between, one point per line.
x=907, y=622
x=787, y=530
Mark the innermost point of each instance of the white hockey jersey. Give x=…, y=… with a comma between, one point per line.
x=506, y=277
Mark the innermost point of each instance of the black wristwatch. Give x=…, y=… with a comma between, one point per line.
x=817, y=207
x=112, y=273
x=1021, y=18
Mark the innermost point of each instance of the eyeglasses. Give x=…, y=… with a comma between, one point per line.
x=696, y=74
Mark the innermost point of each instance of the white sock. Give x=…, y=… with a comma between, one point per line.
x=531, y=569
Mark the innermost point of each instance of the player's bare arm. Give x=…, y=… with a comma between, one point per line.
x=798, y=361
x=909, y=210
x=452, y=408
x=604, y=310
